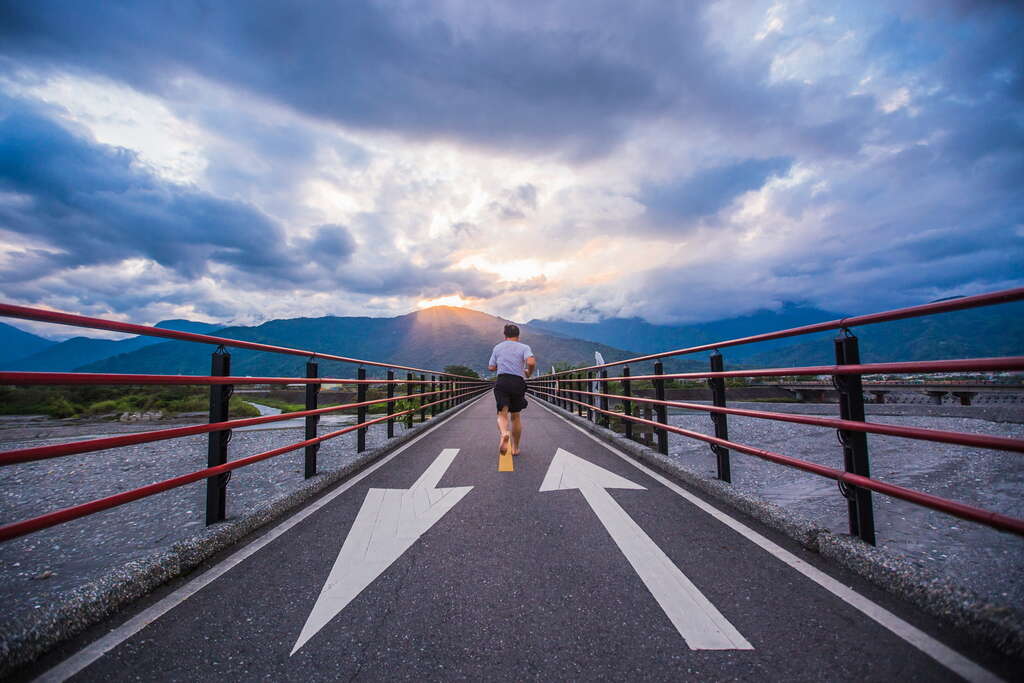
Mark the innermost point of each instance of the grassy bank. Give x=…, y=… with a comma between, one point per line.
x=89, y=401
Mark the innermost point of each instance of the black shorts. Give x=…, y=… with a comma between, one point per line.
x=510, y=392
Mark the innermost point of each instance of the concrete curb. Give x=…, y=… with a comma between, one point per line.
x=997, y=626
x=86, y=605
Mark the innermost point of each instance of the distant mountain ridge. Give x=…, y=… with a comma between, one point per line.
x=431, y=338
x=73, y=353
x=974, y=333
x=645, y=337
x=16, y=344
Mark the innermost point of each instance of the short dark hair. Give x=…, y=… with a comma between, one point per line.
x=511, y=331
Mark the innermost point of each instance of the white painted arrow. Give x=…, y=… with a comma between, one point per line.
x=387, y=525
x=700, y=624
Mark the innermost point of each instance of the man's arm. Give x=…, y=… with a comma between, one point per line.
x=531, y=365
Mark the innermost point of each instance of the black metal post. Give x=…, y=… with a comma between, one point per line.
x=361, y=411
x=577, y=385
x=408, y=392
x=602, y=403
x=589, y=399
x=391, y=404
x=719, y=419
x=312, y=421
x=627, y=405
x=433, y=390
x=408, y=418
x=855, y=444
x=423, y=401
x=659, y=393
x=217, y=451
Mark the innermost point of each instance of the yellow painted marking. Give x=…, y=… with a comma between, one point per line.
x=505, y=462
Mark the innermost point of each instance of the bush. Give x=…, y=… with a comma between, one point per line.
x=238, y=407
x=105, y=407
x=60, y=407
x=461, y=370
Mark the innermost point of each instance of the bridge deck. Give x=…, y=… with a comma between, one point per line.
x=511, y=582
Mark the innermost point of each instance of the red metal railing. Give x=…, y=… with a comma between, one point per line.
x=446, y=389
x=560, y=389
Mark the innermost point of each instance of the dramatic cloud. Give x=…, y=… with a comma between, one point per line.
x=709, y=190
x=672, y=161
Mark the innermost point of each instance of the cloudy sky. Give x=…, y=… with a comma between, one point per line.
x=678, y=161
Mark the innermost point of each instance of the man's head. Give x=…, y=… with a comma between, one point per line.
x=511, y=331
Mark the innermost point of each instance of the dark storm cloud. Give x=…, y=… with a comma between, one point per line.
x=99, y=206
x=360, y=63
x=708, y=191
x=93, y=205
x=331, y=245
x=571, y=77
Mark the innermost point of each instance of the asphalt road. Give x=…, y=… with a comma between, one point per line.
x=515, y=583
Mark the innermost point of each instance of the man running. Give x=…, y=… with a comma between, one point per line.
x=514, y=361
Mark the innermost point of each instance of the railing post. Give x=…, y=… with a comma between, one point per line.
x=720, y=419
x=408, y=392
x=361, y=411
x=312, y=421
x=433, y=398
x=590, y=399
x=855, y=444
x=604, y=419
x=659, y=394
x=391, y=404
x=423, y=400
x=217, y=452
x=577, y=385
x=627, y=405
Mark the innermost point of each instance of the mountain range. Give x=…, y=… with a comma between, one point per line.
x=15, y=344
x=45, y=355
x=440, y=336
x=431, y=338
x=974, y=333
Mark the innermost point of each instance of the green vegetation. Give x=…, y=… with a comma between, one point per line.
x=96, y=401
x=461, y=370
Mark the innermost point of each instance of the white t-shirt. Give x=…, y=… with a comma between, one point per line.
x=510, y=357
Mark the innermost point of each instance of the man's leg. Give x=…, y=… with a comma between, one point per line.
x=517, y=432
x=503, y=429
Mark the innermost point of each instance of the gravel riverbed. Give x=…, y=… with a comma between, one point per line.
x=989, y=562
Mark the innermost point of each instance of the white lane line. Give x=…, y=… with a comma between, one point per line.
x=698, y=621
x=83, y=658
x=944, y=655
x=389, y=522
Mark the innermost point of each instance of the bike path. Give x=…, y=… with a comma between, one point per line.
x=514, y=583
